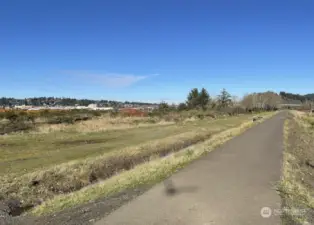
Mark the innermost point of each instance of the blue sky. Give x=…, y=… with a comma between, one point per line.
x=153, y=50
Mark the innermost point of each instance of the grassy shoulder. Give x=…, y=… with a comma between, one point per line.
x=297, y=184
x=150, y=172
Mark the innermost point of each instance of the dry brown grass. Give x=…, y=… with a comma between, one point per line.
x=297, y=185
x=143, y=174
x=107, y=122
x=104, y=123
x=72, y=176
x=24, y=153
x=47, y=182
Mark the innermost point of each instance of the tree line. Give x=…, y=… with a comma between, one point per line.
x=301, y=98
x=53, y=101
x=196, y=99
x=201, y=100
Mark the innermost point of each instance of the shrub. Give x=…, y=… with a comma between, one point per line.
x=182, y=107
x=61, y=119
x=96, y=113
x=172, y=117
x=210, y=115
x=200, y=116
x=114, y=113
x=31, y=118
x=155, y=113
x=11, y=115
x=81, y=118
x=15, y=126
x=45, y=113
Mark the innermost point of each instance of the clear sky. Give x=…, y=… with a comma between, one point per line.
x=153, y=50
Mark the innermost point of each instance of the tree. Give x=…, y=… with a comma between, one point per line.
x=271, y=100
x=193, y=98
x=234, y=100
x=247, y=101
x=204, y=98
x=224, y=99
x=265, y=100
x=182, y=107
x=214, y=103
x=198, y=99
x=164, y=107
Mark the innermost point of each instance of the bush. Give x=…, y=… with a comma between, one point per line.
x=155, y=113
x=61, y=119
x=172, y=117
x=12, y=116
x=210, y=115
x=200, y=116
x=15, y=126
x=96, y=113
x=81, y=118
x=114, y=113
x=30, y=118
x=45, y=113
x=238, y=110
x=151, y=120
x=182, y=107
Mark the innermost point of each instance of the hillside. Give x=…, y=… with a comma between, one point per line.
x=296, y=97
x=310, y=96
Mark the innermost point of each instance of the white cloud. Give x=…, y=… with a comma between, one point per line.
x=117, y=80
x=112, y=80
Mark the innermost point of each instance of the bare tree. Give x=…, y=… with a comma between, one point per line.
x=234, y=100
x=265, y=101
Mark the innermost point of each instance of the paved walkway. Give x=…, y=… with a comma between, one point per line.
x=229, y=186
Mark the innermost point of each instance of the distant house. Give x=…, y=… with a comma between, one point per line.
x=92, y=106
x=23, y=107
x=104, y=108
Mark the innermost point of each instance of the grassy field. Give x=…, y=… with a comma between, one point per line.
x=60, y=160
x=144, y=174
x=24, y=153
x=297, y=185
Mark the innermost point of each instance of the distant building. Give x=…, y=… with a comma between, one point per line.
x=92, y=106
x=104, y=108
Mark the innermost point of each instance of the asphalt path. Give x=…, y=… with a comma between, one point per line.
x=229, y=186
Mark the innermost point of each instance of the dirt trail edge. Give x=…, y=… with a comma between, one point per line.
x=229, y=186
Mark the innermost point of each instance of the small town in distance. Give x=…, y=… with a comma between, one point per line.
x=287, y=100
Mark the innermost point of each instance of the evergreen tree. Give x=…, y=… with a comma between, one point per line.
x=164, y=107
x=193, y=98
x=224, y=99
x=204, y=98
x=198, y=99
